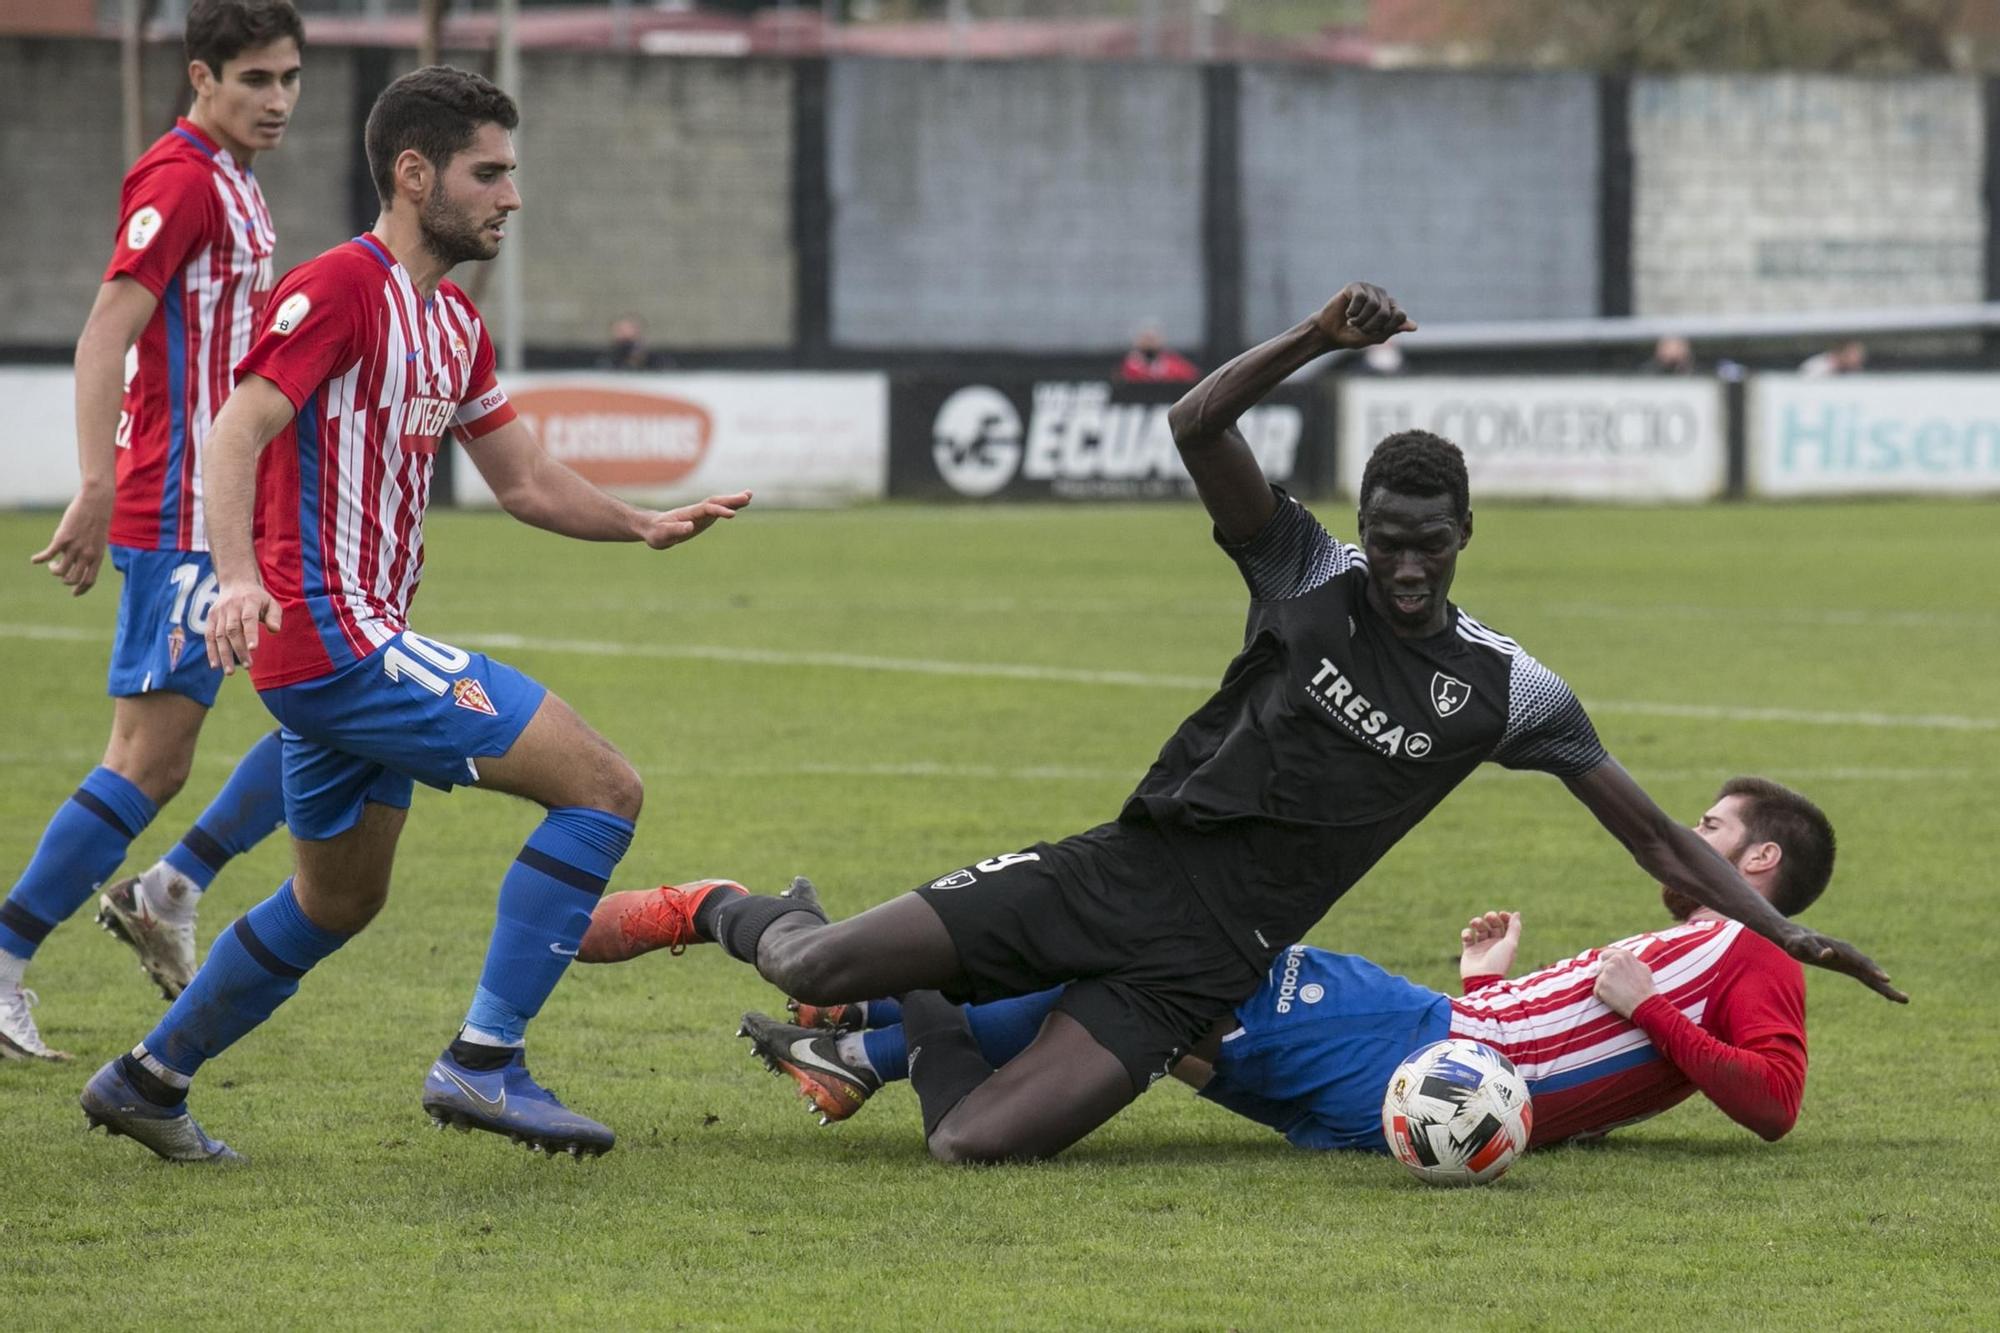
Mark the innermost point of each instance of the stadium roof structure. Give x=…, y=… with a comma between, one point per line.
x=788, y=31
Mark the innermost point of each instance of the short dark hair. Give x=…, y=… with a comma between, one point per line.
x=218, y=31
x=1416, y=462
x=436, y=110
x=1773, y=812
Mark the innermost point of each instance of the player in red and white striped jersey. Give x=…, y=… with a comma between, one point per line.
x=367, y=356
x=1608, y=1037
x=190, y=267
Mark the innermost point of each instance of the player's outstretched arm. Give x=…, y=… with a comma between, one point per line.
x=252, y=416
x=1225, y=472
x=1675, y=856
x=119, y=315
x=543, y=493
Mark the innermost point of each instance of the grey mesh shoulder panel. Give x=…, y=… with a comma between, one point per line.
x=1292, y=555
x=1547, y=728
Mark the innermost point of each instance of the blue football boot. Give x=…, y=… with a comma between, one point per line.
x=508, y=1101
x=111, y=1102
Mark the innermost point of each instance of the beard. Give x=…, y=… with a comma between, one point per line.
x=450, y=234
x=1679, y=906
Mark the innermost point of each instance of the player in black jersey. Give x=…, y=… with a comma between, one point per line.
x=1362, y=696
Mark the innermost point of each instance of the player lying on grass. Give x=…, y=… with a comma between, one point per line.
x=1609, y=1037
x=1361, y=698
x=366, y=359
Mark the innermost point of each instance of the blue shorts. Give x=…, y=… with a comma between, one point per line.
x=413, y=710
x=1318, y=1044
x=162, y=616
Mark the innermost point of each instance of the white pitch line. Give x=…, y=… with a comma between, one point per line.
x=668, y=768
x=1082, y=676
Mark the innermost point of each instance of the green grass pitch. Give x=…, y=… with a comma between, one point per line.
x=877, y=696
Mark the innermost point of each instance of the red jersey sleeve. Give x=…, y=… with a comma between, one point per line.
x=1753, y=1066
x=1474, y=984
x=485, y=408
x=313, y=333
x=166, y=215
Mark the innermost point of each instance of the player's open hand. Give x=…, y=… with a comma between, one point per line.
x=675, y=526
x=1361, y=315
x=1623, y=982
x=1487, y=945
x=76, y=552
x=241, y=610
x=1817, y=950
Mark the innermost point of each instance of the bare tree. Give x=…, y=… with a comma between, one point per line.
x=1644, y=35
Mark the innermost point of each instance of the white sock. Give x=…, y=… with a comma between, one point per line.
x=11, y=969
x=853, y=1051
x=481, y=1037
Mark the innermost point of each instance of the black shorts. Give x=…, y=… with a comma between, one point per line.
x=1108, y=911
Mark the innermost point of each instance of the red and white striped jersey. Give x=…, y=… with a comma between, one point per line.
x=1590, y=1070
x=194, y=232
x=377, y=375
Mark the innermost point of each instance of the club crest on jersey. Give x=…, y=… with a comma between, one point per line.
x=1448, y=694
x=469, y=694
x=143, y=227
x=291, y=311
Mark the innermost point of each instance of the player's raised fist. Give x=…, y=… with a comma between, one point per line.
x=1361, y=315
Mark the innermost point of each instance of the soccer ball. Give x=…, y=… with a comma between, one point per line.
x=1457, y=1113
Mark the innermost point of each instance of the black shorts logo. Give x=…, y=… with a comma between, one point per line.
x=957, y=879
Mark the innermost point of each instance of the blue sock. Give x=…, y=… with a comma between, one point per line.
x=253, y=967
x=80, y=848
x=1003, y=1030
x=882, y=1014
x=250, y=806
x=545, y=905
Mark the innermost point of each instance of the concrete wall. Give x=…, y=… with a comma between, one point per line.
x=1773, y=193
x=1469, y=196
x=62, y=157
x=1031, y=207
x=1052, y=207
x=659, y=187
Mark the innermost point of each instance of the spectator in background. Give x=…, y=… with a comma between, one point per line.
x=627, y=350
x=1151, y=361
x=1672, y=355
x=1847, y=358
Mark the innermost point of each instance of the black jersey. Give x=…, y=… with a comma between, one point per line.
x=1331, y=737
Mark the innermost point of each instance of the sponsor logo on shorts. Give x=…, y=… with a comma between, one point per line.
x=957, y=879
x=469, y=694
x=144, y=226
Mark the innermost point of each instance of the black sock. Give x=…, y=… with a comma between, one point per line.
x=945, y=1062
x=477, y=1056
x=150, y=1085
x=737, y=921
